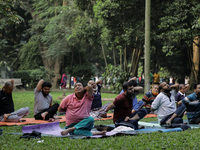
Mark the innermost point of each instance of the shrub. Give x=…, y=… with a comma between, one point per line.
x=31, y=77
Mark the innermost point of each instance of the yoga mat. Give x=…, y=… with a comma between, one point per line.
x=111, y=117
x=53, y=129
x=29, y=121
x=148, y=124
x=149, y=130
x=150, y=116
x=33, y=121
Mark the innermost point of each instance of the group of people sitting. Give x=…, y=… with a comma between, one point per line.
x=81, y=106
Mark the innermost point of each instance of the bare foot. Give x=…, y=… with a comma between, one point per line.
x=44, y=115
x=99, y=133
x=168, y=122
x=65, y=132
x=6, y=116
x=127, y=118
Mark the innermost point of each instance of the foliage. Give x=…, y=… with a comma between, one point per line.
x=116, y=77
x=83, y=72
x=31, y=77
x=30, y=57
x=7, y=14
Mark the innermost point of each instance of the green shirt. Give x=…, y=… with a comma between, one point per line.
x=151, y=77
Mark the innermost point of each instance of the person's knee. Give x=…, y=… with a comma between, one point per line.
x=26, y=109
x=143, y=112
x=177, y=120
x=56, y=104
x=90, y=119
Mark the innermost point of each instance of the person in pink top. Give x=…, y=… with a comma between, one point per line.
x=77, y=107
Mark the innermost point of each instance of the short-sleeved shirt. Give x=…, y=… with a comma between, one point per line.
x=41, y=102
x=156, y=77
x=192, y=104
x=97, y=103
x=76, y=110
x=164, y=105
x=6, y=103
x=123, y=107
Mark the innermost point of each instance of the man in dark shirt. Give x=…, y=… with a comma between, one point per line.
x=122, y=106
x=7, y=112
x=97, y=110
x=181, y=93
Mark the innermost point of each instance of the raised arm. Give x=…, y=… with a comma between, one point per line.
x=187, y=87
x=99, y=82
x=89, y=89
x=175, y=86
x=39, y=85
x=12, y=81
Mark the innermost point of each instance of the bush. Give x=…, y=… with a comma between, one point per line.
x=31, y=77
x=83, y=72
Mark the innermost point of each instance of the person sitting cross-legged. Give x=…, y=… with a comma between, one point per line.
x=181, y=93
x=165, y=105
x=43, y=108
x=77, y=107
x=122, y=106
x=149, y=97
x=7, y=112
x=192, y=103
x=97, y=110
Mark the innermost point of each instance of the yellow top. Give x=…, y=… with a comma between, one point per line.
x=156, y=78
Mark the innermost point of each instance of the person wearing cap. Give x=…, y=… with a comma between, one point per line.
x=7, y=112
x=43, y=108
x=156, y=77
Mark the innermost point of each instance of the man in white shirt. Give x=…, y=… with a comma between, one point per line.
x=165, y=105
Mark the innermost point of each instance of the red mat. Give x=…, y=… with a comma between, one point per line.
x=33, y=121
x=150, y=116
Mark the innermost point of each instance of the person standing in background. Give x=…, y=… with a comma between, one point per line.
x=156, y=77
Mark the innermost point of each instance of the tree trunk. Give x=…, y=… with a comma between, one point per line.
x=195, y=62
x=125, y=61
x=114, y=58
x=147, y=46
x=120, y=60
x=64, y=2
x=104, y=54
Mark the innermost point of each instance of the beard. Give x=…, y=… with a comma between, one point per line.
x=167, y=90
x=130, y=95
x=45, y=95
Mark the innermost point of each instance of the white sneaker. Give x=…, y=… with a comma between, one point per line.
x=60, y=87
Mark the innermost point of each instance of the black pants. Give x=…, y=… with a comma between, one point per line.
x=195, y=120
x=51, y=112
x=141, y=113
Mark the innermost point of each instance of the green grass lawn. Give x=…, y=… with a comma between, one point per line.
x=175, y=140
